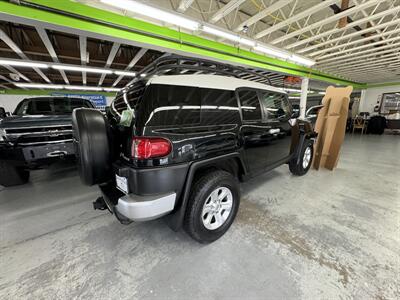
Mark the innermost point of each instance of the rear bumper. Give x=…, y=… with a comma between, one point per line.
x=145, y=208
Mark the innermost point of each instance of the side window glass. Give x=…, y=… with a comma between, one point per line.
x=275, y=105
x=250, y=104
x=219, y=107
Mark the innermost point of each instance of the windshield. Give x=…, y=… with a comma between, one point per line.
x=50, y=106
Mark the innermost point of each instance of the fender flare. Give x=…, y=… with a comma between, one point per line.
x=175, y=220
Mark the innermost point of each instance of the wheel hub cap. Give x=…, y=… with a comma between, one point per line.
x=307, y=157
x=217, y=208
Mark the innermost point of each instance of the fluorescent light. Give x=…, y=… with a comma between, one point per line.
x=39, y=86
x=22, y=64
x=321, y=93
x=111, y=89
x=273, y=52
x=81, y=69
x=143, y=75
x=154, y=13
x=125, y=73
x=65, y=87
x=228, y=36
x=294, y=97
x=302, y=60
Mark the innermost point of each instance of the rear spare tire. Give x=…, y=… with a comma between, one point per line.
x=11, y=175
x=92, y=147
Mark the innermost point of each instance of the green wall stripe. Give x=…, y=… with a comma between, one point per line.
x=151, y=34
x=376, y=85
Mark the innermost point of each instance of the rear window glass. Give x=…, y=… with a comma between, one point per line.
x=219, y=107
x=166, y=105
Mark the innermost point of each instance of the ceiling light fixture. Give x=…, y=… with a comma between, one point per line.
x=153, y=12
x=22, y=64
x=302, y=60
x=66, y=87
x=272, y=51
x=228, y=36
x=125, y=73
x=81, y=69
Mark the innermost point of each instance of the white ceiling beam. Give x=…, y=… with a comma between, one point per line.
x=84, y=56
x=184, y=5
x=325, y=21
x=347, y=36
x=133, y=62
x=349, y=25
x=262, y=14
x=359, y=41
x=10, y=43
x=13, y=70
x=376, y=50
x=359, y=48
x=49, y=46
x=296, y=17
x=359, y=64
x=110, y=59
x=225, y=10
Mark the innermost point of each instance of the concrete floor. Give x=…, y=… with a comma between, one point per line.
x=328, y=235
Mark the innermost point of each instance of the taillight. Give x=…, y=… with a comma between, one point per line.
x=143, y=148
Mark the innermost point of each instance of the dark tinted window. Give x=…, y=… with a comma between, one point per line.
x=165, y=105
x=275, y=105
x=218, y=107
x=251, y=109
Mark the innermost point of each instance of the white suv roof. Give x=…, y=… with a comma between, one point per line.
x=212, y=82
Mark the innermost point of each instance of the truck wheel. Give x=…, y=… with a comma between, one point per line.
x=212, y=207
x=11, y=175
x=300, y=165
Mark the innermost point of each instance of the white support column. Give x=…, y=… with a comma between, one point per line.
x=362, y=105
x=303, y=97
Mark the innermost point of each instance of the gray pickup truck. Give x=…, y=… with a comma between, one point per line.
x=38, y=133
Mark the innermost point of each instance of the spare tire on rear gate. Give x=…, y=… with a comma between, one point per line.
x=90, y=129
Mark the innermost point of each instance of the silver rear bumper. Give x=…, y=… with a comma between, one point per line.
x=145, y=208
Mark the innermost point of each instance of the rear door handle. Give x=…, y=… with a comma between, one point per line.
x=274, y=131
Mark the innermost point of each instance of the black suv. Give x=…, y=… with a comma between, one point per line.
x=38, y=133
x=178, y=145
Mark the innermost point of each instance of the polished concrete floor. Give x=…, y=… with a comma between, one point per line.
x=327, y=235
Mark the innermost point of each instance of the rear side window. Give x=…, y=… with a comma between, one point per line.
x=251, y=110
x=170, y=105
x=218, y=107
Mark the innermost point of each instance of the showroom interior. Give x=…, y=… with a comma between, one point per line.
x=98, y=202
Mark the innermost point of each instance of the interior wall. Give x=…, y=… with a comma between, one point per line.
x=9, y=102
x=372, y=95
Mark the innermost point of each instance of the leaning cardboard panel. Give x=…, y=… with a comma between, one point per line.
x=331, y=126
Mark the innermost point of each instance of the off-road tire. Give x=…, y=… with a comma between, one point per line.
x=200, y=192
x=296, y=164
x=11, y=175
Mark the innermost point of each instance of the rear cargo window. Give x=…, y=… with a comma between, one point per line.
x=170, y=105
x=219, y=107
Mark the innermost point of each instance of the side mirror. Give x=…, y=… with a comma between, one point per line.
x=3, y=113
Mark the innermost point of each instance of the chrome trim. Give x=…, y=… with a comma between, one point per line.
x=38, y=126
x=145, y=208
x=41, y=133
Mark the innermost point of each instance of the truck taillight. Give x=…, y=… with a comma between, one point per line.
x=143, y=148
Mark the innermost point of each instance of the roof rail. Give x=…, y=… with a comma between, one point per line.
x=172, y=64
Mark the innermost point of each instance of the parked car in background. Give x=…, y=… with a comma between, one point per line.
x=38, y=133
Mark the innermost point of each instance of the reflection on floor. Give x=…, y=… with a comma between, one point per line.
x=325, y=235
